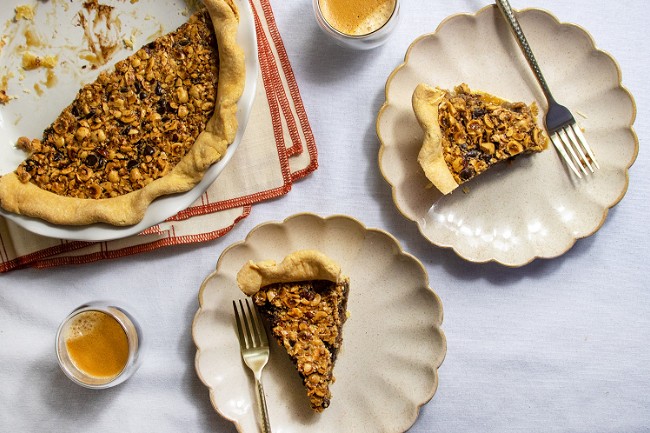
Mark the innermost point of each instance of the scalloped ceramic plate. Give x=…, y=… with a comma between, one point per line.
x=392, y=341
x=531, y=208
x=30, y=114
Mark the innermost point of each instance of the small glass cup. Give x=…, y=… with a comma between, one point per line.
x=99, y=327
x=361, y=42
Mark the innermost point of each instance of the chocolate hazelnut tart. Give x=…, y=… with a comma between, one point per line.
x=304, y=300
x=466, y=132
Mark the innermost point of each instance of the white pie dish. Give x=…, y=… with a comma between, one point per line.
x=29, y=115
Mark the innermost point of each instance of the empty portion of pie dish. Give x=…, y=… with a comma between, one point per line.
x=528, y=208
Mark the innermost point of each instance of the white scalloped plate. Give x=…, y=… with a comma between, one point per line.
x=392, y=341
x=30, y=113
x=531, y=208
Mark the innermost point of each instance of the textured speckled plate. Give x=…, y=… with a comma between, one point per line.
x=392, y=341
x=30, y=114
x=531, y=208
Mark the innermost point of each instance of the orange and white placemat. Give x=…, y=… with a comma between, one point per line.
x=277, y=149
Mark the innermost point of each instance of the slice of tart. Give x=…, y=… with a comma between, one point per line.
x=304, y=299
x=466, y=132
x=151, y=126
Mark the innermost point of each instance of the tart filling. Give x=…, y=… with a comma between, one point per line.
x=304, y=299
x=152, y=126
x=467, y=132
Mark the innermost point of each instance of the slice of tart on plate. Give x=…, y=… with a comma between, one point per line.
x=152, y=126
x=466, y=132
x=304, y=300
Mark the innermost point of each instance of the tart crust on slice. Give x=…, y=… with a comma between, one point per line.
x=151, y=126
x=304, y=299
x=466, y=132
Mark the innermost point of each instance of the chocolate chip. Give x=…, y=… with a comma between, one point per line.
x=148, y=150
x=164, y=107
x=473, y=153
x=307, y=294
x=466, y=173
x=102, y=151
x=92, y=160
x=478, y=113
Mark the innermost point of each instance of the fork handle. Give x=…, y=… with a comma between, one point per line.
x=509, y=15
x=261, y=406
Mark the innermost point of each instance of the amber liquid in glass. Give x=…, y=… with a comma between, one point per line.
x=357, y=17
x=97, y=344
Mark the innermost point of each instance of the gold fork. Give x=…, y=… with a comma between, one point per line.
x=565, y=134
x=254, y=347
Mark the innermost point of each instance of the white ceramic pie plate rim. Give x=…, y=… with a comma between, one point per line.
x=410, y=351
x=464, y=238
x=167, y=206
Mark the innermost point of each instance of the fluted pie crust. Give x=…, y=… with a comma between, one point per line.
x=151, y=127
x=304, y=299
x=466, y=132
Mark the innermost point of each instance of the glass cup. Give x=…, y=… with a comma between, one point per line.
x=99, y=345
x=375, y=36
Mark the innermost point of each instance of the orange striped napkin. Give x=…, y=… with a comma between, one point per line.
x=277, y=149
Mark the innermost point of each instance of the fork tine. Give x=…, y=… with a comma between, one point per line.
x=585, y=144
x=250, y=341
x=251, y=319
x=260, y=332
x=559, y=145
x=568, y=144
x=579, y=147
x=240, y=326
x=583, y=160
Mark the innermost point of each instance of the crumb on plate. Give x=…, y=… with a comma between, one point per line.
x=24, y=12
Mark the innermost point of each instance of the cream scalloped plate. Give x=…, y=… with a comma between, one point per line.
x=392, y=341
x=533, y=207
x=30, y=113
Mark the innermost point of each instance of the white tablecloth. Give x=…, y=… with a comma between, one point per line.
x=559, y=345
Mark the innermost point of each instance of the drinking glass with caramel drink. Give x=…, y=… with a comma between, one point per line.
x=98, y=345
x=360, y=24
